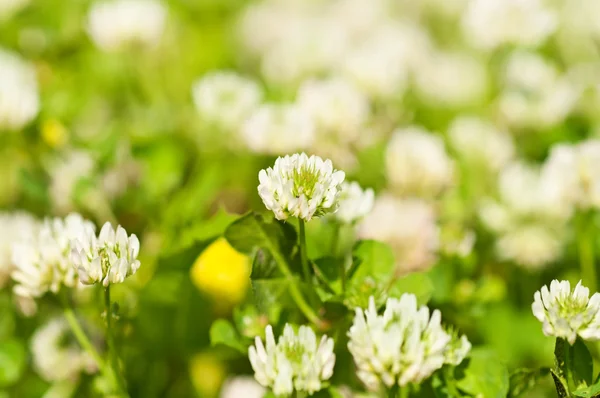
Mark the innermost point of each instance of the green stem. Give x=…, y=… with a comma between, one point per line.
x=335, y=239
x=448, y=373
x=110, y=342
x=82, y=338
x=586, y=252
x=295, y=291
x=303, y=256
x=393, y=391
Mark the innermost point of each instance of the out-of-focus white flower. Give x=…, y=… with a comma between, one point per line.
x=451, y=80
x=278, y=128
x=115, y=25
x=10, y=7
x=297, y=362
x=409, y=226
x=417, y=162
x=225, y=99
x=109, y=258
x=242, y=386
x=565, y=313
x=535, y=94
x=403, y=345
x=56, y=356
x=19, y=97
x=65, y=173
x=575, y=170
x=14, y=227
x=532, y=246
x=481, y=143
x=457, y=349
x=42, y=262
x=358, y=17
x=354, y=202
x=456, y=240
x=492, y=23
x=336, y=107
x=300, y=186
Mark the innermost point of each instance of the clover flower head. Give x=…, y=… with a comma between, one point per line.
x=457, y=349
x=355, y=203
x=296, y=362
x=403, y=345
x=14, y=227
x=109, y=258
x=567, y=314
x=19, y=94
x=42, y=262
x=300, y=186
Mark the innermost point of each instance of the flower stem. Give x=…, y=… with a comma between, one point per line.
x=393, y=391
x=302, y=244
x=82, y=338
x=586, y=251
x=110, y=342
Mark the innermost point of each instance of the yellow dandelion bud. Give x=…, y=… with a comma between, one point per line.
x=54, y=133
x=222, y=272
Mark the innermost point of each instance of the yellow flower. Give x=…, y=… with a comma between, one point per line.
x=54, y=133
x=222, y=272
x=207, y=374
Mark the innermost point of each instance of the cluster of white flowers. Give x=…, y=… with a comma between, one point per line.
x=354, y=203
x=14, y=227
x=226, y=99
x=296, y=362
x=56, y=356
x=300, y=186
x=42, y=261
x=19, y=97
x=417, y=162
x=567, y=314
x=116, y=25
x=107, y=259
x=403, y=345
x=408, y=226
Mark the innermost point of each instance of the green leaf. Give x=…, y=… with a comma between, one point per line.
x=327, y=270
x=376, y=260
x=264, y=266
x=522, y=380
x=253, y=231
x=223, y=332
x=483, y=374
x=573, y=364
x=182, y=260
x=12, y=362
x=588, y=392
x=271, y=295
x=416, y=283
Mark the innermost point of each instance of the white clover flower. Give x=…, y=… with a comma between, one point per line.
x=336, y=106
x=14, y=227
x=492, y=23
x=300, y=186
x=109, y=258
x=451, y=80
x=242, y=386
x=65, y=173
x=8, y=8
x=19, y=96
x=297, y=362
x=533, y=245
x=56, y=355
x=225, y=99
x=565, y=313
x=574, y=169
x=479, y=142
x=42, y=262
x=403, y=345
x=457, y=349
x=417, y=162
x=408, y=226
x=115, y=25
x=278, y=128
x=354, y=202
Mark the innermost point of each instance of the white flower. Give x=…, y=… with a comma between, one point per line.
x=225, y=99
x=65, y=173
x=451, y=80
x=575, y=170
x=492, y=23
x=278, y=128
x=19, y=97
x=565, y=313
x=10, y=7
x=300, y=186
x=242, y=386
x=478, y=141
x=336, y=106
x=408, y=226
x=56, y=357
x=13, y=228
x=417, y=162
x=403, y=345
x=297, y=362
x=115, y=25
x=42, y=262
x=109, y=258
x=532, y=245
x=457, y=349
x=355, y=203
